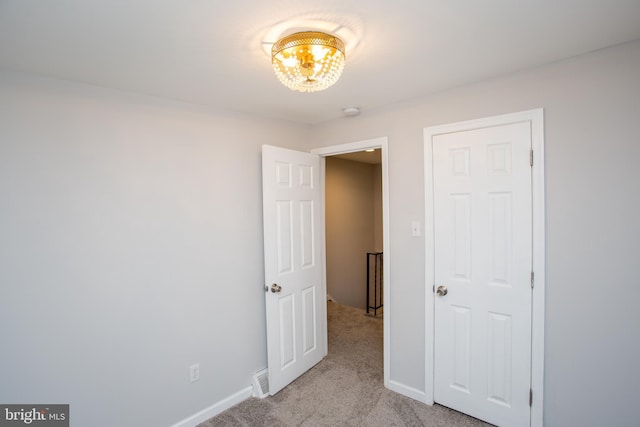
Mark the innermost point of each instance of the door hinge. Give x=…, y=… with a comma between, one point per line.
x=531, y=158
x=530, y=397
x=434, y=288
x=532, y=279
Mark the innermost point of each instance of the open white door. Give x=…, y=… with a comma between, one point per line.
x=295, y=300
x=483, y=272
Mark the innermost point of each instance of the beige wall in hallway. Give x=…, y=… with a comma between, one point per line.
x=354, y=226
x=377, y=207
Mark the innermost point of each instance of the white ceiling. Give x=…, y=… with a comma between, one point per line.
x=210, y=51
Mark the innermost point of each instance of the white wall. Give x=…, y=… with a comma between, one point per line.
x=592, y=135
x=130, y=248
x=351, y=231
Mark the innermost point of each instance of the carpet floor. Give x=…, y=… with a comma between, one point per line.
x=344, y=389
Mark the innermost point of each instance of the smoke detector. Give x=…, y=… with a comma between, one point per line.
x=350, y=111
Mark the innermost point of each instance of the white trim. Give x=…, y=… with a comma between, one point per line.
x=429, y=266
x=536, y=118
x=381, y=143
x=216, y=408
x=351, y=147
x=405, y=390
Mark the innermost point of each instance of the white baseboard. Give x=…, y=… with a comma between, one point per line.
x=411, y=392
x=216, y=408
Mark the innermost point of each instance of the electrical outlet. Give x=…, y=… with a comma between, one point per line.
x=194, y=372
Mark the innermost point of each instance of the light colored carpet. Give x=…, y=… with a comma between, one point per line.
x=344, y=389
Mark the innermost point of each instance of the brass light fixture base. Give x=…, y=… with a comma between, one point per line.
x=308, y=61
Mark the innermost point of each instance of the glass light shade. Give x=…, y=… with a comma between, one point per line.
x=308, y=61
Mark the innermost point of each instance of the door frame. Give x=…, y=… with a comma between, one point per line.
x=381, y=143
x=536, y=119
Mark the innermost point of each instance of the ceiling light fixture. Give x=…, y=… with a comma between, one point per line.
x=308, y=61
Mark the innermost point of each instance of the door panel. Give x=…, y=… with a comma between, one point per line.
x=462, y=236
x=286, y=312
x=284, y=226
x=500, y=238
x=296, y=316
x=461, y=319
x=483, y=253
x=307, y=235
x=309, y=335
x=499, y=375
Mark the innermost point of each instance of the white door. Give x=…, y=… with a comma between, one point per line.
x=483, y=261
x=295, y=301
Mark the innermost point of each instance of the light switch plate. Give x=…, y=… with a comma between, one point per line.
x=415, y=229
x=194, y=372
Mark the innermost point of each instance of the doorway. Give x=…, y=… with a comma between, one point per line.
x=378, y=143
x=353, y=219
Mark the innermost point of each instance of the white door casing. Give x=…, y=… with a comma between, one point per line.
x=296, y=313
x=482, y=214
x=484, y=204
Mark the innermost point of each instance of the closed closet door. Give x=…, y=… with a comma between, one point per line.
x=483, y=264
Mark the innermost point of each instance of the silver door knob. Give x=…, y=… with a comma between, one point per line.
x=442, y=290
x=276, y=288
